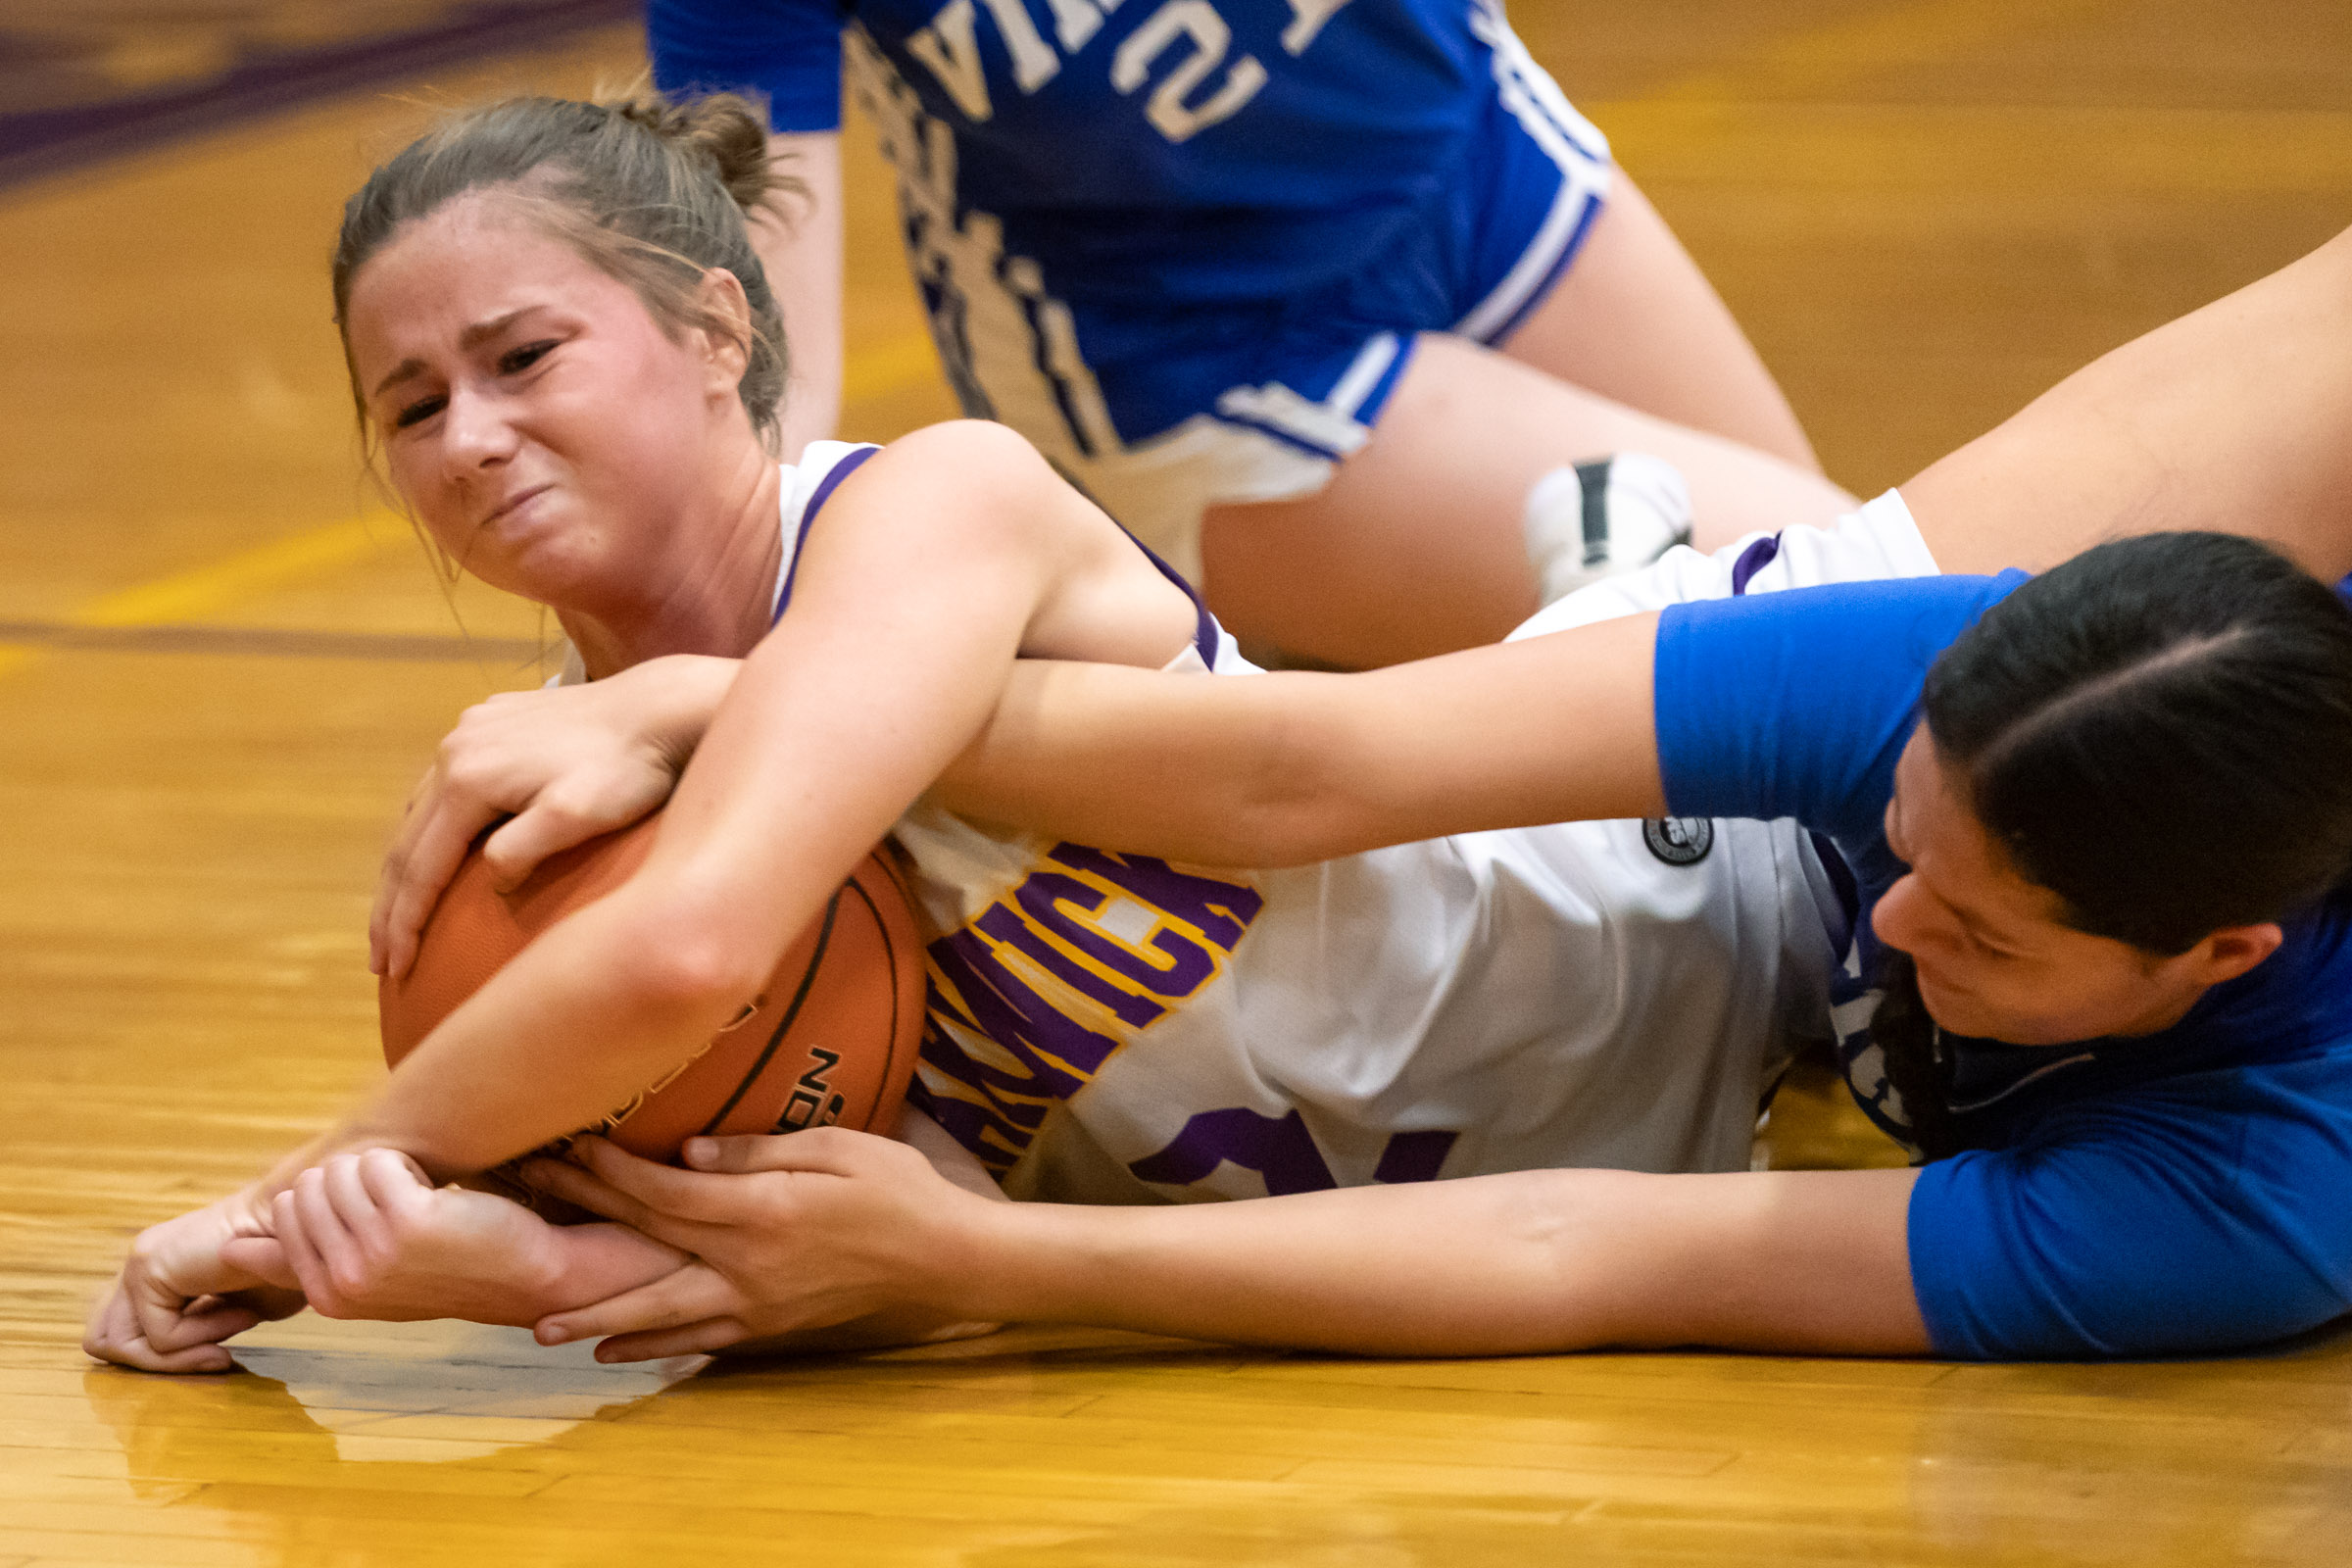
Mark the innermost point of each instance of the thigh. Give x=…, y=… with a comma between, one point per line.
x=2236, y=418
x=1416, y=546
x=1635, y=322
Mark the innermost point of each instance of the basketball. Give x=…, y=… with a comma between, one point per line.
x=829, y=1040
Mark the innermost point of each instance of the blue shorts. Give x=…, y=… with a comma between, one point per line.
x=1161, y=415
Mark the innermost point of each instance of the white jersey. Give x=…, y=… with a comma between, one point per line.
x=1107, y=1027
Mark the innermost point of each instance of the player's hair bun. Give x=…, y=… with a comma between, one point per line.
x=723, y=132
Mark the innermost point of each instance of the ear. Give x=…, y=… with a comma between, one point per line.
x=727, y=339
x=2231, y=952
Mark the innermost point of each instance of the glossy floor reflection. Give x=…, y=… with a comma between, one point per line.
x=1062, y=1449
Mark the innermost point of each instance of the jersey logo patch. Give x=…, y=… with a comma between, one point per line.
x=1679, y=839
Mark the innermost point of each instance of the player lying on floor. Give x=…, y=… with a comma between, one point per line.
x=1401, y=1012
x=2136, y=1127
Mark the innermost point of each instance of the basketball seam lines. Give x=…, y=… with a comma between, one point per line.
x=890, y=953
x=743, y=1084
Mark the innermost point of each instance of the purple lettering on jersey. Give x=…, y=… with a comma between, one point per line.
x=1282, y=1151
x=1414, y=1157
x=1014, y=1100
x=1061, y=1052
x=1190, y=966
x=1222, y=911
x=1278, y=1149
x=1056, y=1054
x=997, y=1112
x=1006, y=925
x=973, y=1126
x=995, y=1108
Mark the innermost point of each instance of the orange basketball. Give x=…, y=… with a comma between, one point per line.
x=830, y=1040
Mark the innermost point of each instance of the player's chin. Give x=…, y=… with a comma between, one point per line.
x=1973, y=1015
x=1959, y=1011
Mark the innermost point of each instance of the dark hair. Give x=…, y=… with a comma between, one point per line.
x=2159, y=732
x=653, y=193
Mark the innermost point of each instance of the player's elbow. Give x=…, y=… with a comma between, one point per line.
x=681, y=959
x=1307, y=793
x=1278, y=827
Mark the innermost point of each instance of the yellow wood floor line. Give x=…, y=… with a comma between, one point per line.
x=882, y=369
x=207, y=589
x=204, y=590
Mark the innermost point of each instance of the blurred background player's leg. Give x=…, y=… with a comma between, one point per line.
x=1416, y=544
x=1635, y=321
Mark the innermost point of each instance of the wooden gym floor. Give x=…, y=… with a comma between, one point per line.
x=223, y=663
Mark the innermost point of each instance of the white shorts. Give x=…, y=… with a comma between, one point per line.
x=1160, y=413
x=1875, y=542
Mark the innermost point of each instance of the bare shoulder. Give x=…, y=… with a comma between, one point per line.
x=975, y=498
x=978, y=453
x=980, y=481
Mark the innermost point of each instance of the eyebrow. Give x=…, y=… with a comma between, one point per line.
x=479, y=333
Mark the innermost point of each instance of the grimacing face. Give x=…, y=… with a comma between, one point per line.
x=538, y=420
x=1997, y=959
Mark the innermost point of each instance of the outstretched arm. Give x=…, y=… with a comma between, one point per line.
x=1287, y=768
x=824, y=1226
x=1278, y=771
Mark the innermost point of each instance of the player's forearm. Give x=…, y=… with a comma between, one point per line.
x=563, y=1267
x=573, y=1028
x=1453, y=1268
x=1192, y=768
x=1288, y=768
x=1530, y=1262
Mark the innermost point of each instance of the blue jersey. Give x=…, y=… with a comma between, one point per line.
x=1147, y=154
x=2176, y=1192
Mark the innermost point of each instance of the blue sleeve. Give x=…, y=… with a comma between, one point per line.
x=2202, y=1218
x=787, y=51
x=1797, y=703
